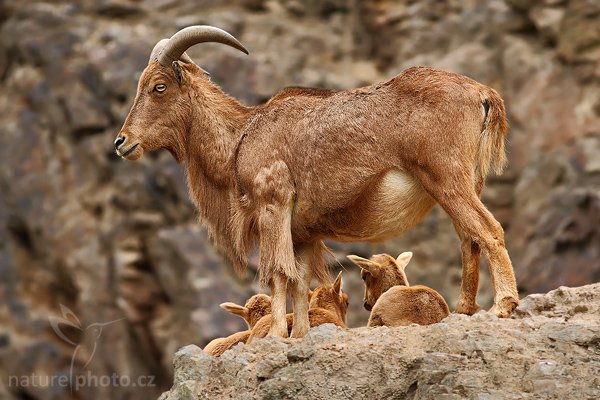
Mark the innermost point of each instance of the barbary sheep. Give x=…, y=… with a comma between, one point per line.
x=328, y=304
x=218, y=346
x=389, y=297
x=255, y=308
x=312, y=165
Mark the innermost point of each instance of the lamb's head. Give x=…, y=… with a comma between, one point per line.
x=381, y=272
x=160, y=115
x=331, y=298
x=255, y=308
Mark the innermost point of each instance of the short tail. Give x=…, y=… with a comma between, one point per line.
x=491, y=153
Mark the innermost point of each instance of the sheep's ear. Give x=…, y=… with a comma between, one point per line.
x=235, y=309
x=310, y=294
x=337, y=285
x=364, y=263
x=403, y=259
x=177, y=70
x=205, y=72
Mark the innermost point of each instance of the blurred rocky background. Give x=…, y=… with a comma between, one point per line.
x=109, y=239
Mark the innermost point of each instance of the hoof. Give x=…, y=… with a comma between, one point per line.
x=278, y=332
x=505, y=307
x=298, y=333
x=467, y=309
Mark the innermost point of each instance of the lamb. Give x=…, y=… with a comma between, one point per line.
x=310, y=165
x=328, y=304
x=389, y=297
x=218, y=346
x=255, y=308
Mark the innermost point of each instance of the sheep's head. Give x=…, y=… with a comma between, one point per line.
x=331, y=297
x=381, y=272
x=255, y=308
x=160, y=115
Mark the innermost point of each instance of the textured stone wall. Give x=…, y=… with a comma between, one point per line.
x=111, y=239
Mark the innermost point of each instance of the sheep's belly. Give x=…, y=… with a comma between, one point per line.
x=399, y=204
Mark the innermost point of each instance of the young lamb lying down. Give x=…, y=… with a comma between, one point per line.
x=255, y=308
x=389, y=297
x=328, y=304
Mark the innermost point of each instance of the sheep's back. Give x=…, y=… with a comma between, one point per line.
x=220, y=345
x=403, y=305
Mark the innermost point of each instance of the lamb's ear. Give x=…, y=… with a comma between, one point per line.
x=310, y=294
x=364, y=263
x=337, y=285
x=235, y=309
x=403, y=259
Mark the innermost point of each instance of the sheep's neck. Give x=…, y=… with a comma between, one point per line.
x=327, y=304
x=390, y=279
x=213, y=134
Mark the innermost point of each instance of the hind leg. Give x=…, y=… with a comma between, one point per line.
x=467, y=302
x=470, y=254
x=454, y=191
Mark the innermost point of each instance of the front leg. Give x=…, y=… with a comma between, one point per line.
x=300, y=290
x=274, y=196
x=278, y=311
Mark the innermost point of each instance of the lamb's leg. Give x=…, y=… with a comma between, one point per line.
x=375, y=320
x=454, y=191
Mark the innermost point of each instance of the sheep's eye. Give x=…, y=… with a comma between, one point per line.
x=161, y=87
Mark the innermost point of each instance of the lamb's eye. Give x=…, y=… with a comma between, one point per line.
x=161, y=87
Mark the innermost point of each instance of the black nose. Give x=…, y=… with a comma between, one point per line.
x=367, y=306
x=120, y=140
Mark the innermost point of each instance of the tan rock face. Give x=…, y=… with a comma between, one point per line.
x=111, y=239
x=549, y=349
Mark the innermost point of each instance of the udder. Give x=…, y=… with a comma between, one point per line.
x=397, y=204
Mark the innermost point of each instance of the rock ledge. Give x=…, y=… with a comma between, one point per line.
x=550, y=348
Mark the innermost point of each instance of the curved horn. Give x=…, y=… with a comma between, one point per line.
x=187, y=37
x=158, y=48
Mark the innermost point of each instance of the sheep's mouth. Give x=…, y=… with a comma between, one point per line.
x=129, y=151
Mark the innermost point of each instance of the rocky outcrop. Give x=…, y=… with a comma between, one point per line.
x=549, y=349
x=110, y=239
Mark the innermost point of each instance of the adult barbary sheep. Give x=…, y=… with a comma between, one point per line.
x=389, y=297
x=255, y=308
x=306, y=167
x=328, y=305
